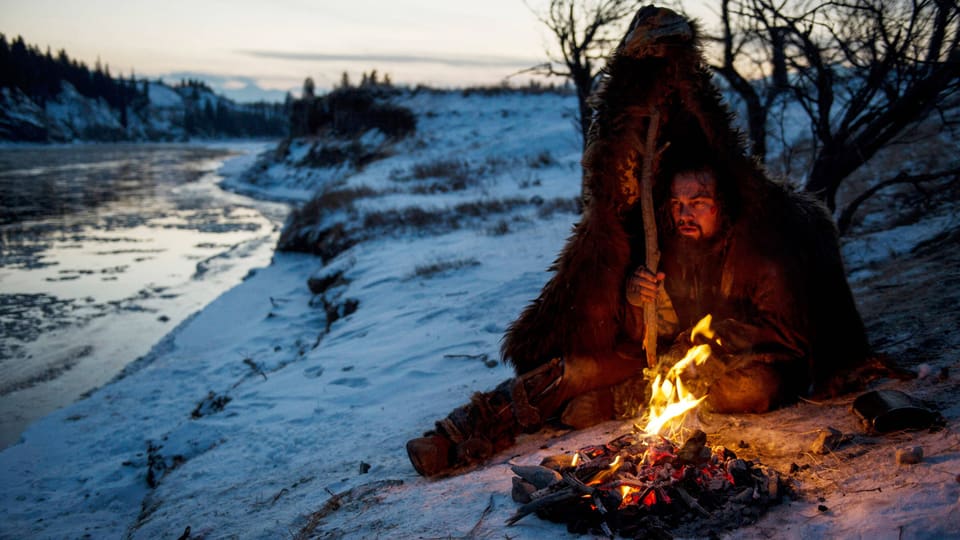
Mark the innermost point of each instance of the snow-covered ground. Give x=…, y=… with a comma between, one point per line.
x=261, y=418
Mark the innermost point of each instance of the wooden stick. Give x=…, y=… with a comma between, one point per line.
x=536, y=504
x=574, y=488
x=691, y=502
x=650, y=233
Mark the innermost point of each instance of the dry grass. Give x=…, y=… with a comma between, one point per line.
x=541, y=160
x=447, y=175
x=439, y=267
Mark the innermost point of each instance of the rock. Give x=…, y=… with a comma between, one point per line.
x=692, y=451
x=909, y=456
x=522, y=490
x=827, y=441
x=558, y=462
x=540, y=477
x=740, y=471
x=773, y=484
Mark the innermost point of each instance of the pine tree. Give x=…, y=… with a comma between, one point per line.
x=308, y=88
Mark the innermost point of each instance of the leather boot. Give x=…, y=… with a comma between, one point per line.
x=489, y=423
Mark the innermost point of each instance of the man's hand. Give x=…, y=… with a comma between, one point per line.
x=643, y=286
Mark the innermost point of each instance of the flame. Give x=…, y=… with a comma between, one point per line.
x=702, y=328
x=575, y=460
x=628, y=496
x=669, y=399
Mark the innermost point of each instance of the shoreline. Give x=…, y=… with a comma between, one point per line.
x=83, y=370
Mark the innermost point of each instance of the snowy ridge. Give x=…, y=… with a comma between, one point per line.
x=254, y=419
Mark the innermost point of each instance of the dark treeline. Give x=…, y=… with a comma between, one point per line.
x=350, y=110
x=39, y=74
x=207, y=115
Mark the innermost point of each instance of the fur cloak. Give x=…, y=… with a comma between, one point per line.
x=659, y=65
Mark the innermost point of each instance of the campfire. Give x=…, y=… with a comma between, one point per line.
x=646, y=485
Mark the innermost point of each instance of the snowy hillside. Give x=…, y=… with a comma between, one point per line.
x=279, y=411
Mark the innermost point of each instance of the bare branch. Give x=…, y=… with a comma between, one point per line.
x=846, y=217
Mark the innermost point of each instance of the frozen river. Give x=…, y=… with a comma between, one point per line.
x=103, y=250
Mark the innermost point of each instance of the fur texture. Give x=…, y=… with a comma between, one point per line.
x=580, y=310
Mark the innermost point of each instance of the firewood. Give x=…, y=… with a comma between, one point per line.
x=542, y=502
x=691, y=502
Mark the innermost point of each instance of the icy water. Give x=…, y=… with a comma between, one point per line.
x=104, y=249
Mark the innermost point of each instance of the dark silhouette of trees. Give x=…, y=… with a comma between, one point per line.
x=862, y=72
x=350, y=110
x=39, y=75
x=209, y=115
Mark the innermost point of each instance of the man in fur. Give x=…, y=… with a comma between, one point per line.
x=761, y=258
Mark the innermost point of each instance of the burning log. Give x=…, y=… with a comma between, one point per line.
x=641, y=485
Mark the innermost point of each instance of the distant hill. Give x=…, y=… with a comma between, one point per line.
x=46, y=98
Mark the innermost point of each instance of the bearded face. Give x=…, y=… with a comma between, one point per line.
x=693, y=205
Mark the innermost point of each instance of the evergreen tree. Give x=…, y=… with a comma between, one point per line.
x=309, y=88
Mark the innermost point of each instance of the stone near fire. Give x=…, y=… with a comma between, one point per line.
x=694, y=450
x=557, y=462
x=540, y=477
x=909, y=456
x=739, y=470
x=827, y=441
x=522, y=490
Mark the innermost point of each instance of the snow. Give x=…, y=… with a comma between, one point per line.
x=74, y=114
x=163, y=96
x=307, y=405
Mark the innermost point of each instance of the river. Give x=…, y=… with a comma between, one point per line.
x=104, y=249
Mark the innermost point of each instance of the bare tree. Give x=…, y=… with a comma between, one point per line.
x=585, y=31
x=862, y=71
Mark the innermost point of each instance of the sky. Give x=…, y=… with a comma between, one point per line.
x=256, y=48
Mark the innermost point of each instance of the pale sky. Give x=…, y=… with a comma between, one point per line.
x=276, y=44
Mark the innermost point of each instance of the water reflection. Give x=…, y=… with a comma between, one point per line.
x=103, y=249
x=40, y=183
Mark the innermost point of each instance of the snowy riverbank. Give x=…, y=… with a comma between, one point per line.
x=260, y=417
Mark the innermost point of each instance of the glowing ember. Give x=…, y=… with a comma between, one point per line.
x=640, y=485
x=669, y=400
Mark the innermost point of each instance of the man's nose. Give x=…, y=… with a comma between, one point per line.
x=686, y=210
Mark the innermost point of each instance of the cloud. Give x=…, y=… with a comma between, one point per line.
x=454, y=61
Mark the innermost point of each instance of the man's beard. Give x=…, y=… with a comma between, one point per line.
x=694, y=252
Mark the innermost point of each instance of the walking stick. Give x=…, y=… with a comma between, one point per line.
x=650, y=153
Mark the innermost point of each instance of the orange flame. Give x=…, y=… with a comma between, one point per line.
x=669, y=399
